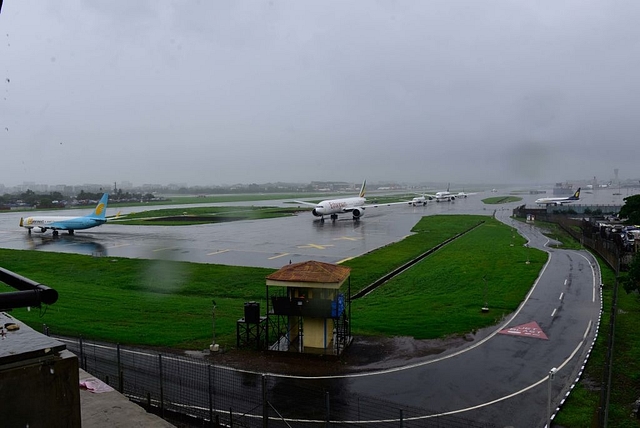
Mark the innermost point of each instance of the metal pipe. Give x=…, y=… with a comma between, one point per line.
x=31, y=293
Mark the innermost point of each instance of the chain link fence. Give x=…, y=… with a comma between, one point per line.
x=192, y=390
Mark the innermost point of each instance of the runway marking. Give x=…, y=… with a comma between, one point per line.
x=217, y=252
x=316, y=246
x=163, y=249
x=561, y=296
x=344, y=260
x=565, y=282
x=278, y=256
x=554, y=312
x=118, y=245
x=347, y=238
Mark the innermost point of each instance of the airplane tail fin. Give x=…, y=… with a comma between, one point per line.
x=100, y=210
x=364, y=183
x=577, y=194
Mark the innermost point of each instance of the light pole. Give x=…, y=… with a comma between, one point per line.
x=214, y=346
x=552, y=375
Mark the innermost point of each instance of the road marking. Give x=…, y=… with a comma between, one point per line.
x=278, y=256
x=316, y=246
x=565, y=282
x=554, y=312
x=531, y=329
x=561, y=296
x=347, y=238
x=217, y=252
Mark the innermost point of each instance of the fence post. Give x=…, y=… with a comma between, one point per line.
x=265, y=406
x=120, y=379
x=210, y=395
x=327, y=423
x=161, y=386
x=81, y=346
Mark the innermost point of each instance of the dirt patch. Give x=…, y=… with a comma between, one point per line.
x=364, y=354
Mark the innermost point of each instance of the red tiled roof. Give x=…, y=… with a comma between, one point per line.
x=311, y=271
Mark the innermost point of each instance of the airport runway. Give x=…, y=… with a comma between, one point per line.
x=268, y=243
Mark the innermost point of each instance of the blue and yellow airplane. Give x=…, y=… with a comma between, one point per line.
x=56, y=223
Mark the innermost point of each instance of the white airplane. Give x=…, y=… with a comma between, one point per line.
x=420, y=200
x=559, y=201
x=447, y=196
x=333, y=207
x=56, y=223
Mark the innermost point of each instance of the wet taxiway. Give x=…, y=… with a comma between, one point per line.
x=268, y=243
x=259, y=243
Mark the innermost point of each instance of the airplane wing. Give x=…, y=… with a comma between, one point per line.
x=311, y=204
x=114, y=217
x=380, y=205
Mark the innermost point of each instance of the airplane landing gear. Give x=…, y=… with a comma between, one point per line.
x=55, y=233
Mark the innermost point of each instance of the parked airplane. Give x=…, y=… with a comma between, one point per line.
x=56, y=223
x=333, y=207
x=559, y=201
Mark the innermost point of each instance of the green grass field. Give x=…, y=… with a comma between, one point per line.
x=501, y=199
x=201, y=215
x=164, y=303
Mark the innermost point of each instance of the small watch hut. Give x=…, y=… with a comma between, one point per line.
x=309, y=308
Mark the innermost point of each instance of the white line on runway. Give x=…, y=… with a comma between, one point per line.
x=347, y=238
x=217, y=252
x=278, y=256
x=163, y=249
x=554, y=312
x=561, y=296
x=316, y=246
x=565, y=282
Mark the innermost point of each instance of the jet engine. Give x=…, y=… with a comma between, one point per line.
x=357, y=212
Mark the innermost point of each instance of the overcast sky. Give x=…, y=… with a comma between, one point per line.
x=215, y=92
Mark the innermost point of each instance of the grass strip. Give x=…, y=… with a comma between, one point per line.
x=202, y=215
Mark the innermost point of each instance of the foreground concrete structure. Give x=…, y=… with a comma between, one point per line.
x=40, y=385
